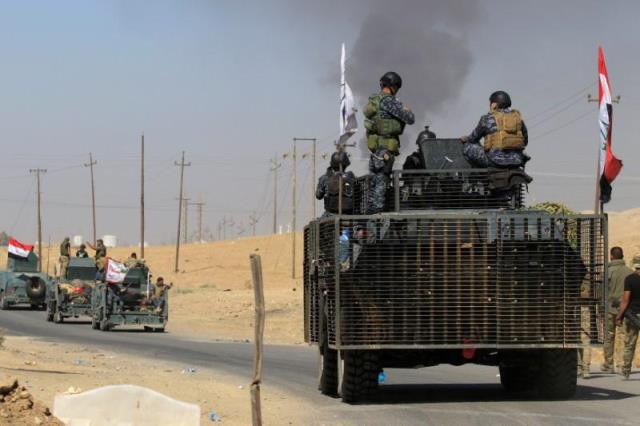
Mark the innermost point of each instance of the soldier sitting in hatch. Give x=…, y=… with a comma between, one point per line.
x=505, y=136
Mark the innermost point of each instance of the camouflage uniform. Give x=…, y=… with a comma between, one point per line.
x=618, y=271
x=475, y=153
x=323, y=192
x=101, y=256
x=631, y=284
x=391, y=114
x=65, y=248
x=630, y=341
x=584, y=353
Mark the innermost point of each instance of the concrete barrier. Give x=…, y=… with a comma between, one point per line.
x=124, y=405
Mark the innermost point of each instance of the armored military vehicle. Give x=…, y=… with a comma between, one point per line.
x=22, y=284
x=70, y=297
x=131, y=302
x=455, y=271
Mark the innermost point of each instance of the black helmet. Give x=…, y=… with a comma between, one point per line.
x=425, y=134
x=391, y=79
x=339, y=158
x=501, y=98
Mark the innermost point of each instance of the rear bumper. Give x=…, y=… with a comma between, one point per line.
x=134, y=318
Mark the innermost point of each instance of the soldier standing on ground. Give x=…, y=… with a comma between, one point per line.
x=65, y=250
x=386, y=117
x=329, y=185
x=101, y=254
x=618, y=271
x=505, y=136
x=159, y=290
x=630, y=306
x=82, y=251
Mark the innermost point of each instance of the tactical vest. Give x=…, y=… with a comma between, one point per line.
x=381, y=132
x=332, y=197
x=509, y=131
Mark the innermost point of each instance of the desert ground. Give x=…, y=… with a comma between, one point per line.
x=211, y=298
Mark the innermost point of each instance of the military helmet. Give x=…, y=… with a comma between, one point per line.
x=635, y=263
x=391, y=79
x=340, y=158
x=501, y=98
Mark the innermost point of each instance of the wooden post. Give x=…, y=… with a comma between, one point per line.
x=256, y=272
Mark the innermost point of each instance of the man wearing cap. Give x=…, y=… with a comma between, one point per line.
x=630, y=312
x=617, y=272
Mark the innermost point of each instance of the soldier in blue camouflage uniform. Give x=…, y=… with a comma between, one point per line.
x=505, y=136
x=385, y=121
x=328, y=188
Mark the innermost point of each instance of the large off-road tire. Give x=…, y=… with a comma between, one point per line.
x=359, y=378
x=4, y=305
x=556, y=378
x=35, y=288
x=328, y=369
x=517, y=378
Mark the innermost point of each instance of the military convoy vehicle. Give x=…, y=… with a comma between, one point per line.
x=455, y=271
x=22, y=284
x=129, y=303
x=70, y=297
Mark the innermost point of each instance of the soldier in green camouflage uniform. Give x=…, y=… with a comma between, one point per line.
x=630, y=312
x=101, y=254
x=65, y=252
x=618, y=271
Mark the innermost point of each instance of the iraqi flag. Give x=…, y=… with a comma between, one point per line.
x=610, y=166
x=17, y=249
x=115, y=271
x=348, y=123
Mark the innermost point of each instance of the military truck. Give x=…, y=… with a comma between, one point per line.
x=455, y=271
x=22, y=284
x=129, y=303
x=70, y=297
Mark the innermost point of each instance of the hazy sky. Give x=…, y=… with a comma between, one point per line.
x=232, y=82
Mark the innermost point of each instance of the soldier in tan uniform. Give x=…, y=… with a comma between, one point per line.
x=65, y=252
x=101, y=254
x=617, y=272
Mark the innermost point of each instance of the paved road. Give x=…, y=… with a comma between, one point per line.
x=439, y=395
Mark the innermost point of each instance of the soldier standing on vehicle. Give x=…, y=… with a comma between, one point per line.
x=618, y=271
x=65, y=250
x=131, y=261
x=630, y=311
x=159, y=290
x=82, y=251
x=101, y=254
x=505, y=136
x=329, y=185
x=386, y=117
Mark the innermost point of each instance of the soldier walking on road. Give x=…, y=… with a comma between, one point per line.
x=65, y=250
x=386, y=117
x=630, y=311
x=618, y=271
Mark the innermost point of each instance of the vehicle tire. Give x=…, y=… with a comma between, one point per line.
x=35, y=288
x=328, y=366
x=104, y=323
x=159, y=330
x=147, y=328
x=557, y=377
x=57, y=316
x=4, y=305
x=517, y=378
x=359, y=378
x=49, y=312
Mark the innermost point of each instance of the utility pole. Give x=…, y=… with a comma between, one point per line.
x=199, y=205
x=293, y=203
x=597, y=204
x=182, y=165
x=142, y=197
x=37, y=173
x=274, y=168
x=252, y=223
x=185, y=206
x=93, y=196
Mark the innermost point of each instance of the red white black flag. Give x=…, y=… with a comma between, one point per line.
x=16, y=248
x=609, y=165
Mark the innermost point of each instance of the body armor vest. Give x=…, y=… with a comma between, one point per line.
x=381, y=132
x=332, y=198
x=508, y=134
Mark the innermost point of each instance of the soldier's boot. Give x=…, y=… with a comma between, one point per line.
x=605, y=368
x=585, y=373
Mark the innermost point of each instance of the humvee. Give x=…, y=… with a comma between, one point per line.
x=70, y=297
x=455, y=271
x=22, y=284
x=129, y=303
